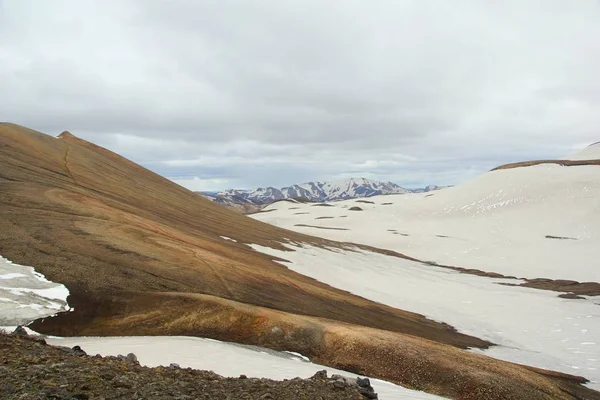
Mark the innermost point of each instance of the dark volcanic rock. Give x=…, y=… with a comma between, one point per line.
x=571, y=296
x=20, y=331
x=131, y=358
x=30, y=369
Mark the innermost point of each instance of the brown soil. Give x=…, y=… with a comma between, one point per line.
x=322, y=227
x=564, y=163
x=142, y=255
x=561, y=285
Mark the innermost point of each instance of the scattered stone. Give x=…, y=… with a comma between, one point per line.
x=355, y=208
x=29, y=371
x=320, y=375
x=365, y=388
x=20, y=331
x=122, y=382
x=78, y=350
x=363, y=382
x=560, y=237
x=107, y=375
x=174, y=365
x=339, y=384
x=132, y=359
x=368, y=393
x=571, y=296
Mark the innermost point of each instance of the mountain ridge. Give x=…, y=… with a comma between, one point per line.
x=315, y=191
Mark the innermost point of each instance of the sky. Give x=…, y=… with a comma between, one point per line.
x=239, y=94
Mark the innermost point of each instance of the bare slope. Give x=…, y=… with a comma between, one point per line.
x=102, y=225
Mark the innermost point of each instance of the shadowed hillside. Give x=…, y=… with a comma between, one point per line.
x=142, y=255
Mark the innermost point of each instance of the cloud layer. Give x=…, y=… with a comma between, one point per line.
x=237, y=94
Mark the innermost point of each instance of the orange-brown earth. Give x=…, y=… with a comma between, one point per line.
x=141, y=255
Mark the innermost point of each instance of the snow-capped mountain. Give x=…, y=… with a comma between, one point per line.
x=233, y=202
x=318, y=191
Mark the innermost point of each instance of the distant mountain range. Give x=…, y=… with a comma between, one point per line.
x=249, y=200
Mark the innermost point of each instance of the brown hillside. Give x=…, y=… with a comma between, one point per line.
x=142, y=255
x=102, y=225
x=564, y=163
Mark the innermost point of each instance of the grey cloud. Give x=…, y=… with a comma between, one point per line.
x=272, y=92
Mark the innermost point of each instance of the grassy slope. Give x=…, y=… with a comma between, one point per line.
x=142, y=255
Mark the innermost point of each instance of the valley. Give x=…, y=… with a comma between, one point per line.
x=142, y=256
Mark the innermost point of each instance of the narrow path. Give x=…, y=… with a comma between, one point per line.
x=218, y=275
x=66, y=163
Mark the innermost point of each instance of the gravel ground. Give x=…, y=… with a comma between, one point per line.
x=30, y=369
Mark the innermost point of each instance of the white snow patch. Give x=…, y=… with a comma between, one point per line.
x=531, y=326
x=228, y=238
x=11, y=329
x=298, y=355
x=227, y=359
x=11, y=276
x=6, y=300
x=27, y=295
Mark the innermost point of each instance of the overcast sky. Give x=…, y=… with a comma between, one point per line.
x=226, y=93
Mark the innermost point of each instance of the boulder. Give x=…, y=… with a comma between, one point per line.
x=20, y=331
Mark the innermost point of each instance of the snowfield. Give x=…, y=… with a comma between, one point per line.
x=533, y=327
x=26, y=295
x=534, y=222
x=227, y=359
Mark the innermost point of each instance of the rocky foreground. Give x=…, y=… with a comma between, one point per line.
x=30, y=369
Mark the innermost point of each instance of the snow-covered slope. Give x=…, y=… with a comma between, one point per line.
x=533, y=222
x=530, y=326
x=26, y=295
x=319, y=191
x=591, y=152
x=540, y=221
